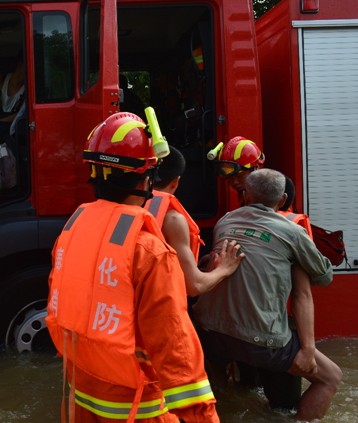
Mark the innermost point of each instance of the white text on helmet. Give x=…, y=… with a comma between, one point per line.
x=109, y=159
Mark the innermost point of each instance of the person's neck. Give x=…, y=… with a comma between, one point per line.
x=134, y=200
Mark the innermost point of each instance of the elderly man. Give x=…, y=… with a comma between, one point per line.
x=245, y=317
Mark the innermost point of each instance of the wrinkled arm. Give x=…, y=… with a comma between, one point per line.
x=176, y=232
x=318, y=267
x=303, y=312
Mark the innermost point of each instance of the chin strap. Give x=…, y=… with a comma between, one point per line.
x=141, y=193
x=147, y=195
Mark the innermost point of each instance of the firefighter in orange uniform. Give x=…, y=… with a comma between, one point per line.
x=117, y=309
x=238, y=157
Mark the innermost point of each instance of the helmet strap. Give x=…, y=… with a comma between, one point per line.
x=106, y=171
x=142, y=193
x=149, y=192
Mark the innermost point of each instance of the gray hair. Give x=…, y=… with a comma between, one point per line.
x=265, y=186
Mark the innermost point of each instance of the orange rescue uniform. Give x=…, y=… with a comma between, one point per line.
x=117, y=310
x=163, y=202
x=299, y=218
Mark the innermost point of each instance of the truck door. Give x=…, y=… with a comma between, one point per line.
x=71, y=84
x=13, y=80
x=166, y=61
x=201, y=78
x=76, y=87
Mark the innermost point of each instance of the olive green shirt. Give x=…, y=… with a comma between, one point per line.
x=251, y=303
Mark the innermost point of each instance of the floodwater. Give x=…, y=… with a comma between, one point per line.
x=31, y=390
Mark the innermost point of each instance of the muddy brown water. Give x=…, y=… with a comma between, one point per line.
x=31, y=390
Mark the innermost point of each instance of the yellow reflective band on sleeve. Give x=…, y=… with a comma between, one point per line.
x=185, y=395
x=120, y=410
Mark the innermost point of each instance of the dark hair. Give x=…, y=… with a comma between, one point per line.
x=171, y=167
x=291, y=192
x=118, y=185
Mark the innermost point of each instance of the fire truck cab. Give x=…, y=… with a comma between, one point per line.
x=195, y=62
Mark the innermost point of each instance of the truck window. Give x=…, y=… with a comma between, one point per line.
x=14, y=163
x=90, y=29
x=53, y=57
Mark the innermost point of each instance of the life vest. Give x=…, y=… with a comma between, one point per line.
x=163, y=202
x=82, y=309
x=300, y=219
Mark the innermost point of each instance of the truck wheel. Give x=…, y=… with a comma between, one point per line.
x=23, y=299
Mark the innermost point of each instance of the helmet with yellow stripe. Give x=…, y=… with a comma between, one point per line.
x=239, y=154
x=121, y=141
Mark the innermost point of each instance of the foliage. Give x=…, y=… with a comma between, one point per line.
x=262, y=6
x=139, y=83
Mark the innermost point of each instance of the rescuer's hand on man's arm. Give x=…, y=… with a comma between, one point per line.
x=176, y=232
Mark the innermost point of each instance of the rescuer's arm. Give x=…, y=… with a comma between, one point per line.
x=169, y=336
x=176, y=232
x=303, y=313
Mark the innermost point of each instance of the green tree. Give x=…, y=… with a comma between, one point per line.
x=262, y=6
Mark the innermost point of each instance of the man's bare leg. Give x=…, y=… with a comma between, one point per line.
x=318, y=397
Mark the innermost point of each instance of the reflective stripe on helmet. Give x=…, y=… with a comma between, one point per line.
x=186, y=395
x=120, y=410
x=125, y=128
x=238, y=150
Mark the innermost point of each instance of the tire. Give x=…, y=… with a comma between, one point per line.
x=23, y=299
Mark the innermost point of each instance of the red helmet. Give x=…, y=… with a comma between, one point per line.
x=121, y=141
x=239, y=154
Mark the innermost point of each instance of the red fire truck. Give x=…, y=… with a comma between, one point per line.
x=200, y=75
x=195, y=62
x=308, y=57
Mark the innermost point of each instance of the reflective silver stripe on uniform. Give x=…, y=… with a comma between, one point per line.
x=155, y=205
x=120, y=410
x=188, y=394
x=72, y=219
x=122, y=228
